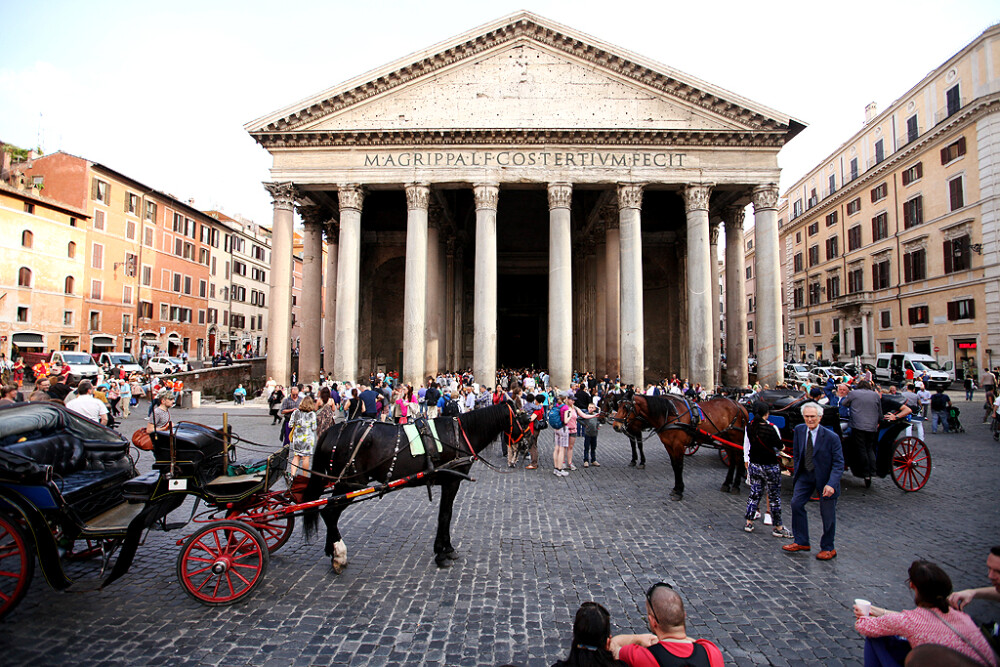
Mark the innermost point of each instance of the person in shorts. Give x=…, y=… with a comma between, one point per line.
x=561, y=438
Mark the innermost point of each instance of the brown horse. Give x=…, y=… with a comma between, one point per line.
x=679, y=422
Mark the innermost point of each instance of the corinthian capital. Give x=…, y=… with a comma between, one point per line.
x=486, y=195
x=282, y=195
x=629, y=196
x=765, y=197
x=351, y=196
x=733, y=216
x=312, y=214
x=696, y=197
x=417, y=196
x=560, y=195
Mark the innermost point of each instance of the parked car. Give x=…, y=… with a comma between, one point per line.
x=124, y=359
x=892, y=367
x=821, y=374
x=161, y=365
x=797, y=372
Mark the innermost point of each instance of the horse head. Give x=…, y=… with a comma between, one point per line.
x=624, y=414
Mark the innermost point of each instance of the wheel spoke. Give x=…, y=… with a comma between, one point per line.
x=10, y=574
x=229, y=582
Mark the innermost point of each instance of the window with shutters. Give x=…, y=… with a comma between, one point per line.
x=957, y=254
x=100, y=191
x=798, y=297
x=880, y=227
x=178, y=223
x=146, y=310
x=147, y=275
x=953, y=151
x=201, y=316
x=832, y=184
x=856, y=280
x=953, y=99
x=919, y=315
x=69, y=285
x=798, y=237
x=832, y=287
x=797, y=208
x=95, y=320
x=854, y=168
x=97, y=256
x=880, y=274
x=832, y=247
x=854, y=206
x=814, y=229
x=880, y=192
x=879, y=151
x=127, y=294
x=147, y=237
x=203, y=288
x=749, y=272
x=27, y=239
x=96, y=289
x=912, y=129
x=831, y=219
x=24, y=277
x=99, y=220
x=814, y=294
x=913, y=173
x=177, y=283
x=913, y=212
x=963, y=309
x=130, y=230
x=956, y=193
x=915, y=265
x=854, y=238
x=813, y=255
x=151, y=211
x=187, y=284
x=132, y=203
x=885, y=319
x=71, y=249
x=802, y=330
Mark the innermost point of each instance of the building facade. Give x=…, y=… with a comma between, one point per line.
x=890, y=243
x=522, y=194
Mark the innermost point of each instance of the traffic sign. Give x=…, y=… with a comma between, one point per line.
x=937, y=349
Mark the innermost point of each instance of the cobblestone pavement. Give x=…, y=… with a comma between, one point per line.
x=533, y=548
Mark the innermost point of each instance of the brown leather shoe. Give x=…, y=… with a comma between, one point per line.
x=796, y=547
x=826, y=555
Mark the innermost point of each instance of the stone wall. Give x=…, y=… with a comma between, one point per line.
x=221, y=381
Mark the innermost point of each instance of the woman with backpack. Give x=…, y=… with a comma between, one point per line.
x=560, y=433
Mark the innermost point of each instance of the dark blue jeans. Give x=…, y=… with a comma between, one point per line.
x=590, y=448
x=805, y=487
x=885, y=651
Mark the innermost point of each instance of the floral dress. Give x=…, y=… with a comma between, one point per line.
x=303, y=440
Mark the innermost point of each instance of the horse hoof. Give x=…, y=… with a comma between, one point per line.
x=442, y=562
x=676, y=496
x=631, y=464
x=338, y=567
x=735, y=491
x=725, y=488
x=641, y=466
x=452, y=555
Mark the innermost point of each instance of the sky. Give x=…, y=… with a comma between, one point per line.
x=161, y=91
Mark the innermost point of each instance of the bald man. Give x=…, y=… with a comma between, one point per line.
x=668, y=644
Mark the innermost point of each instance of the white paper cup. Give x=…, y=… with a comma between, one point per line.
x=864, y=606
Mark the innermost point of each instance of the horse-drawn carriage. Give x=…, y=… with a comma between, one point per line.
x=65, y=480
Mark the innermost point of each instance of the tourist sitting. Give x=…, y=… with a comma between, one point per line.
x=932, y=622
x=240, y=395
x=591, y=638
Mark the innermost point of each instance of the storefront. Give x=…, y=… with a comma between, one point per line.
x=966, y=357
x=102, y=343
x=25, y=342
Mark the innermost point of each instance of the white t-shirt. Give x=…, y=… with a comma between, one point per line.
x=89, y=407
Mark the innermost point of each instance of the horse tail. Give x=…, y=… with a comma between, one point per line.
x=320, y=463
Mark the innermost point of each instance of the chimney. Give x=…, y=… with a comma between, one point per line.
x=871, y=110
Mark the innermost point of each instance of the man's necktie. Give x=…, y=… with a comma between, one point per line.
x=810, y=466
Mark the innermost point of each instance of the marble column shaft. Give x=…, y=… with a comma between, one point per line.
x=736, y=300
x=770, y=353
x=601, y=313
x=434, y=356
x=330, y=310
x=279, y=321
x=312, y=301
x=415, y=285
x=699, y=287
x=560, y=286
x=484, y=354
x=630, y=226
x=345, y=360
x=713, y=253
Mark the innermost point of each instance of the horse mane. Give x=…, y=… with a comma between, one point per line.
x=658, y=406
x=487, y=423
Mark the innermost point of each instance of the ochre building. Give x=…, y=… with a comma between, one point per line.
x=523, y=194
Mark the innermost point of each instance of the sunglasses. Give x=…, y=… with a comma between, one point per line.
x=649, y=596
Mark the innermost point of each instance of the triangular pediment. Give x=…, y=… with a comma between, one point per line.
x=527, y=73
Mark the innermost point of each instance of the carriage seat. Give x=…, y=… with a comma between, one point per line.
x=780, y=399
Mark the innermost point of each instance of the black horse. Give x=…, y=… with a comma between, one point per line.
x=608, y=408
x=352, y=454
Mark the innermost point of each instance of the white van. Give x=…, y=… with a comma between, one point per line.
x=80, y=364
x=126, y=360
x=892, y=367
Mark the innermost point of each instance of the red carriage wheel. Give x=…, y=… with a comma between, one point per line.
x=276, y=529
x=911, y=464
x=222, y=562
x=17, y=564
x=691, y=449
x=724, y=456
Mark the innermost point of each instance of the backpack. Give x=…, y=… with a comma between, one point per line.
x=554, y=417
x=450, y=408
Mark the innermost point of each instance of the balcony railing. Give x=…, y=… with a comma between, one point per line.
x=946, y=113
x=853, y=299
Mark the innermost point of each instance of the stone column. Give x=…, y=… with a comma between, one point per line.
x=590, y=308
x=415, y=285
x=330, y=309
x=434, y=355
x=736, y=301
x=612, y=261
x=770, y=353
x=632, y=343
x=450, y=362
x=713, y=254
x=560, y=286
x=601, y=314
x=458, y=319
x=865, y=328
x=484, y=353
x=279, y=320
x=699, y=287
x=345, y=359
x=312, y=298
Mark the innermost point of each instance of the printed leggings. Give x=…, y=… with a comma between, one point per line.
x=761, y=475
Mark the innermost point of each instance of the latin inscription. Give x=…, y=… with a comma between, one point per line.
x=563, y=159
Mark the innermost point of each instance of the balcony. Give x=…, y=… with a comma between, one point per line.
x=908, y=138
x=853, y=299
x=949, y=111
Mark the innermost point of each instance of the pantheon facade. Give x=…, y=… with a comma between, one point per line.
x=524, y=194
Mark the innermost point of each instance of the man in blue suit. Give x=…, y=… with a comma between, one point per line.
x=819, y=465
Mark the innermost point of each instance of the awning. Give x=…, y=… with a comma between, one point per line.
x=28, y=340
x=148, y=335
x=174, y=337
x=103, y=341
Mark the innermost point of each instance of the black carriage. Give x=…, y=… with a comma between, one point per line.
x=906, y=459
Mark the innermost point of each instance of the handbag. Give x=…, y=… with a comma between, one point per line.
x=142, y=440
